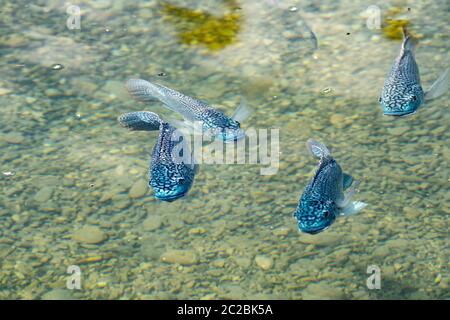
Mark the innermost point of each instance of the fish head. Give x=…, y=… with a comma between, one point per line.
x=401, y=102
x=232, y=131
x=224, y=128
x=170, y=182
x=315, y=216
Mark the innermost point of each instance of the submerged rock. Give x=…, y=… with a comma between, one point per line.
x=89, y=235
x=322, y=239
x=185, y=257
x=152, y=223
x=138, y=189
x=57, y=294
x=322, y=291
x=44, y=194
x=264, y=262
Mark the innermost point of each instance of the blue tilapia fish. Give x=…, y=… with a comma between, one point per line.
x=402, y=93
x=323, y=199
x=212, y=121
x=170, y=176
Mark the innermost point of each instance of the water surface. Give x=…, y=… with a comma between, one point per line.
x=73, y=183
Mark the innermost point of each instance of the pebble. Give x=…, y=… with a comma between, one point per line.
x=101, y=4
x=264, y=262
x=30, y=100
x=89, y=235
x=5, y=250
x=52, y=92
x=411, y=212
x=322, y=291
x=197, y=230
x=184, y=257
x=281, y=232
x=218, y=263
x=243, y=262
x=44, y=194
x=138, y=189
x=84, y=85
x=57, y=294
x=391, y=245
x=338, y=121
x=398, y=131
x=13, y=137
x=152, y=223
x=4, y=91
x=325, y=239
x=116, y=88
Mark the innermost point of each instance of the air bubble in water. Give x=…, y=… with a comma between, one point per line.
x=57, y=66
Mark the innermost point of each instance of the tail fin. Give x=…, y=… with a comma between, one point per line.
x=317, y=149
x=409, y=42
x=141, y=90
x=140, y=121
x=439, y=87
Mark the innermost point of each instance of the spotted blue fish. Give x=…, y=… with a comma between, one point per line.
x=213, y=121
x=171, y=172
x=323, y=199
x=402, y=92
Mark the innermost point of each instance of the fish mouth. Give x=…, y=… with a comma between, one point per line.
x=399, y=113
x=313, y=231
x=170, y=197
x=231, y=135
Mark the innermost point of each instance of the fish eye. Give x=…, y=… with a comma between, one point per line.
x=326, y=214
x=414, y=98
x=379, y=99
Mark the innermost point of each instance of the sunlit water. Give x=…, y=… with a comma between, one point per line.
x=73, y=182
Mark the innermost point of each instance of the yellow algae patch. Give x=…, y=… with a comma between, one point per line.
x=393, y=23
x=196, y=27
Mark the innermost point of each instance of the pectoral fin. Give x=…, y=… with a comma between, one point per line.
x=348, y=180
x=242, y=112
x=353, y=208
x=439, y=87
x=348, y=195
x=186, y=127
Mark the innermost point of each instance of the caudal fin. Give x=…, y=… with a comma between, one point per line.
x=140, y=121
x=141, y=90
x=439, y=87
x=317, y=149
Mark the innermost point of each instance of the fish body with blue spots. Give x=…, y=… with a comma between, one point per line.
x=213, y=121
x=402, y=93
x=171, y=176
x=323, y=199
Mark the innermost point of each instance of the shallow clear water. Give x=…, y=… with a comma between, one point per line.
x=73, y=181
